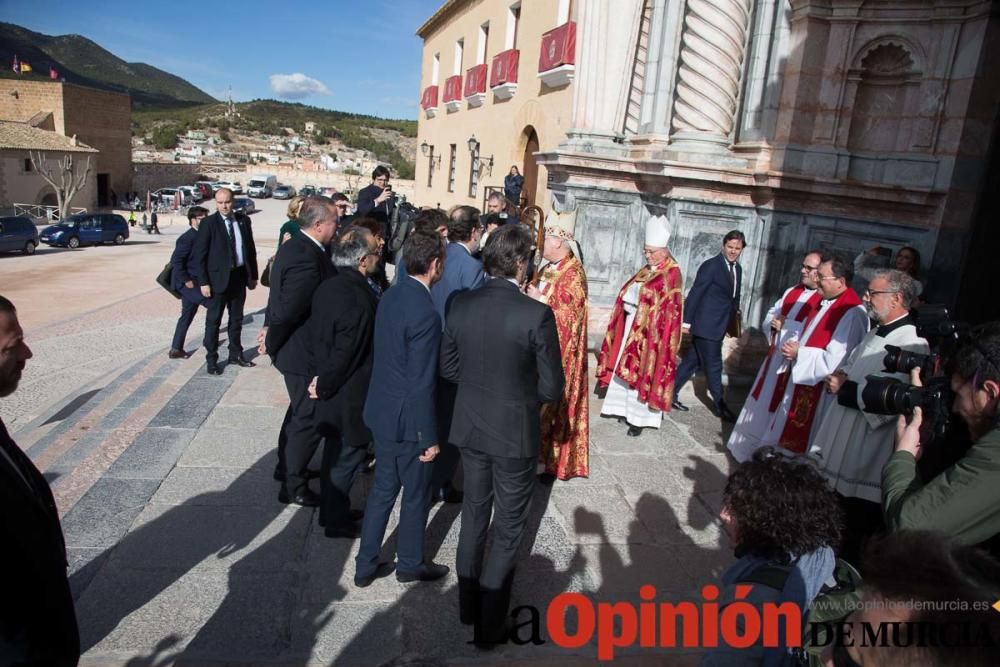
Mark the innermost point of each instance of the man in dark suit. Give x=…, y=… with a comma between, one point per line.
x=712, y=303
x=302, y=263
x=337, y=341
x=226, y=260
x=501, y=348
x=376, y=200
x=400, y=411
x=184, y=274
x=37, y=620
x=462, y=272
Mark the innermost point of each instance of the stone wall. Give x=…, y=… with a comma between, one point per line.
x=18, y=186
x=102, y=119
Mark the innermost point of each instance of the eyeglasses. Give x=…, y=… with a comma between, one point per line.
x=829, y=278
x=810, y=269
x=870, y=293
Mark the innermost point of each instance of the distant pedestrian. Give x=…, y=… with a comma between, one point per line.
x=512, y=185
x=37, y=621
x=185, y=282
x=153, y=228
x=131, y=219
x=145, y=223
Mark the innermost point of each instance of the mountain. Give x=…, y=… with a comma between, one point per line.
x=79, y=60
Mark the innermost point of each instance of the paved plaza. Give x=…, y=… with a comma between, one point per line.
x=180, y=553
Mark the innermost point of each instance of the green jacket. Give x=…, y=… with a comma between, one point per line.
x=962, y=501
x=290, y=227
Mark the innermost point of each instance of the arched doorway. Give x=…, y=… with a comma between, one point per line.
x=530, y=168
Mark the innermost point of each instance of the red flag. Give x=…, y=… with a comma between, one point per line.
x=53, y=73
x=17, y=65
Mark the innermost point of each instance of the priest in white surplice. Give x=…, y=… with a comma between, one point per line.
x=786, y=320
x=831, y=334
x=850, y=445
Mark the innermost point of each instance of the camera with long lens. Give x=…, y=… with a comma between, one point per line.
x=948, y=438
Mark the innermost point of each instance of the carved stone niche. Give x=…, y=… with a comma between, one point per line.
x=883, y=99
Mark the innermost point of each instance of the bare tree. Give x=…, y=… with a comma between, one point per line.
x=66, y=179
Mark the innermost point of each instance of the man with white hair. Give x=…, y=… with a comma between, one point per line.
x=851, y=445
x=638, y=359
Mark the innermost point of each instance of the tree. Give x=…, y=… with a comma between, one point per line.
x=165, y=137
x=66, y=180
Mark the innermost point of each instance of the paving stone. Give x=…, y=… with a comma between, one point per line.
x=198, y=537
x=152, y=454
x=84, y=563
x=105, y=513
x=597, y=515
x=191, y=405
x=246, y=416
x=349, y=634
x=621, y=568
x=252, y=486
x=228, y=448
x=210, y=614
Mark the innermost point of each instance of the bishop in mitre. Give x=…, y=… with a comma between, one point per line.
x=638, y=359
x=565, y=427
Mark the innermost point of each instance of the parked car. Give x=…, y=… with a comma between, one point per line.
x=193, y=193
x=205, y=188
x=235, y=186
x=284, y=192
x=244, y=204
x=18, y=232
x=86, y=229
x=308, y=191
x=168, y=196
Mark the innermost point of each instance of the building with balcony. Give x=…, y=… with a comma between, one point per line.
x=496, y=88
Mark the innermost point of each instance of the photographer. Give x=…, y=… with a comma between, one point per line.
x=962, y=501
x=377, y=200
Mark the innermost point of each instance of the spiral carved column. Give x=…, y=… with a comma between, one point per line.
x=708, y=78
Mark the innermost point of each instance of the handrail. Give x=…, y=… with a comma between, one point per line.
x=46, y=212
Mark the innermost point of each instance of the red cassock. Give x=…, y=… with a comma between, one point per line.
x=649, y=362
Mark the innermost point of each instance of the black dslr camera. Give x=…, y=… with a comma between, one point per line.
x=889, y=396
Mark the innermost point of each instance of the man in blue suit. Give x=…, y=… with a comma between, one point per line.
x=400, y=411
x=183, y=275
x=712, y=303
x=462, y=272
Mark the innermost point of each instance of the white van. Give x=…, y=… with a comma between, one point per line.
x=262, y=185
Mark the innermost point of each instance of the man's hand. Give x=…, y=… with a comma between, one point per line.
x=777, y=323
x=685, y=327
x=908, y=428
x=189, y=284
x=384, y=196
x=533, y=292
x=262, y=341
x=206, y=291
x=429, y=454
x=253, y=284
x=835, y=381
x=790, y=350
x=312, y=388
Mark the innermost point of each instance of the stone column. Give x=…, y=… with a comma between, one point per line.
x=713, y=45
x=603, y=74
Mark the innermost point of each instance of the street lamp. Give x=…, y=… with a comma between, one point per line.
x=428, y=150
x=473, y=144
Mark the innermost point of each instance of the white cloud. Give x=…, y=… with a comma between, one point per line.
x=296, y=86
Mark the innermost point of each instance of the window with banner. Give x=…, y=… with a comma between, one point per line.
x=474, y=173
x=451, y=169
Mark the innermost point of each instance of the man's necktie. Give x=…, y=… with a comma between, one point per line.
x=732, y=275
x=232, y=242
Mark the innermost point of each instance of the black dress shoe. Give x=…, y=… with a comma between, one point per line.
x=383, y=570
x=305, y=498
x=350, y=532
x=428, y=572
x=448, y=495
x=677, y=405
x=726, y=414
x=214, y=368
x=177, y=354
x=634, y=431
x=243, y=363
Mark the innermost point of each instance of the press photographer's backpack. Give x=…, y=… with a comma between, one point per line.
x=837, y=600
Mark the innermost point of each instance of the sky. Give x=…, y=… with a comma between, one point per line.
x=361, y=56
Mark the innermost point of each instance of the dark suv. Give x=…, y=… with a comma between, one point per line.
x=18, y=233
x=87, y=229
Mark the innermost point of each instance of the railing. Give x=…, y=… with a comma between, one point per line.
x=44, y=212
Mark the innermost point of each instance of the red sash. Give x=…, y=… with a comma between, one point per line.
x=805, y=313
x=805, y=398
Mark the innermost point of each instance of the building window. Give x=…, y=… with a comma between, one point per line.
x=435, y=69
x=430, y=167
x=474, y=173
x=459, y=54
x=564, y=11
x=451, y=169
x=513, y=21
x=27, y=165
x=484, y=38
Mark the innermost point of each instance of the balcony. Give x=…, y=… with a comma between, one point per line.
x=475, y=85
x=503, y=77
x=453, y=93
x=429, y=101
x=557, y=60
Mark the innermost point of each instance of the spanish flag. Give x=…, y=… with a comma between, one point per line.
x=25, y=67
